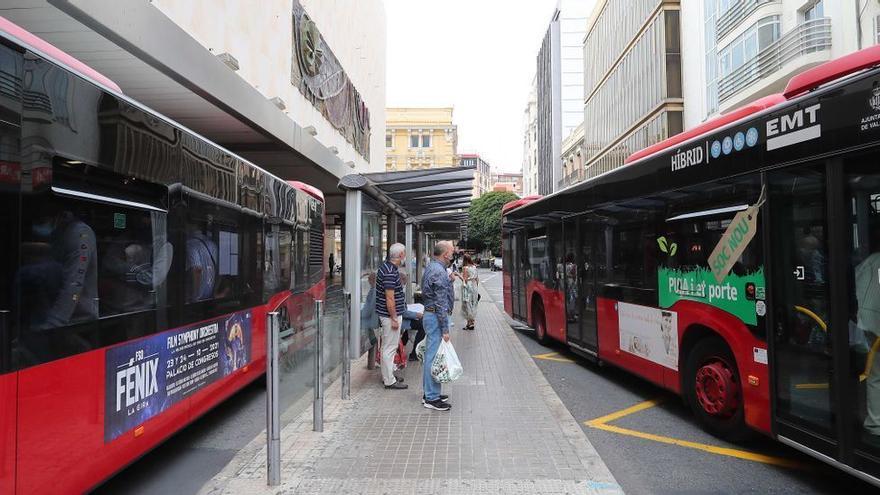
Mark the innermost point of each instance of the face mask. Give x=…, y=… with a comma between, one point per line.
x=43, y=230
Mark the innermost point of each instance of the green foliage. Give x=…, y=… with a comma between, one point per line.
x=484, y=220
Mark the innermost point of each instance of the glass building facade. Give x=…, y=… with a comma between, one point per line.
x=633, y=85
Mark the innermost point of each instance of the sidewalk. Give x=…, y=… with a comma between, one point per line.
x=507, y=433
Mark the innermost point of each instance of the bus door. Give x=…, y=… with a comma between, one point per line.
x=802, y=334
x=517, y=277
x=580, y=282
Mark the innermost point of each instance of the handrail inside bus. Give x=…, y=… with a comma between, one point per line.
x=104, y=199
x=708, y=213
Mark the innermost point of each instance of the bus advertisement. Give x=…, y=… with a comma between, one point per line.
x=735, y=264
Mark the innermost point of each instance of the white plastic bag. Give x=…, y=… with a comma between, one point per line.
x=446, y=366
x=421, y=348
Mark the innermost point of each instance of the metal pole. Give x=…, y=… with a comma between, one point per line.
x=410, y=254
x=346, y=350
x=273, y=416
x=318, y=409
x=353, y=243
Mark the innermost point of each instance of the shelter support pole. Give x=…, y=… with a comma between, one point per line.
x=352, y=257
x=392, y=230
x=408, y=262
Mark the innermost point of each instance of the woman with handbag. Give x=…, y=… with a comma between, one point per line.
x=470, y=293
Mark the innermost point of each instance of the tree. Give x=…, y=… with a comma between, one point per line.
x=484, y=220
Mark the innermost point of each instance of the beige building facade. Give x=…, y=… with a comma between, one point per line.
x=482, y=173
x=420, y=138
x=573, y=170
x=261, y=46
x=508, y=181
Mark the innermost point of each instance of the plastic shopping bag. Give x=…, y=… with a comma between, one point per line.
x=421, y=348
x=446, y=366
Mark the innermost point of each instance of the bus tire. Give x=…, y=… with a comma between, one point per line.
x=713, y=390
x=539, y=322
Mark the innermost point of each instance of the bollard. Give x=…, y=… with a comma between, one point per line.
x=273, y=421
x=346, y=344
x=318, y=407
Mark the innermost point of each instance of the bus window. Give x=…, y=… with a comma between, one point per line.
x=221, y=260
x=863, y=198
x=58, y=278
x=277, y=265
x=695, y=221
x=539, y=259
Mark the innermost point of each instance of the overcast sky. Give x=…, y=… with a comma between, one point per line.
x=477, y=56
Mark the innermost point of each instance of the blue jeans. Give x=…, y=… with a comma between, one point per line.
x=433, y=334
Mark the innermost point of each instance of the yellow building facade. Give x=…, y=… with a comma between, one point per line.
x=420, y=138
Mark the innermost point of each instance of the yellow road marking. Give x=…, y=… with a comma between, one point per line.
x=553, y=356
x=641, y=406
x=601, y=423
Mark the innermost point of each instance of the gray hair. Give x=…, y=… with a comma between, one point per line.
x=441, y=247
x=396, y=251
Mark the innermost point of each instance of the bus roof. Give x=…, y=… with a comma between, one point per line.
x=516, y=203
x=8, y=29
x=799, y=84
x=646, y=167
x=310, y=190
x=708, y=126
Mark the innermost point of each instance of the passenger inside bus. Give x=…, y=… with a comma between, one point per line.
x=867, y=289
x=63, y=273
x=201, y=264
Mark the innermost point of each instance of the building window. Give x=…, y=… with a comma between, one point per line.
x=389, y=141
x=877, y=30
x=426, y=141
x=815, y=11
x=414, y=141
x=748, y=45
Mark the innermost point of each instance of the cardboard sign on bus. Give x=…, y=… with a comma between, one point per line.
x=735, y=240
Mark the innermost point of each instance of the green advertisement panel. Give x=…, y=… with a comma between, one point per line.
x=731, y=295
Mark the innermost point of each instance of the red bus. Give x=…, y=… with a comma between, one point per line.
x=735, y=264
x=138, y=263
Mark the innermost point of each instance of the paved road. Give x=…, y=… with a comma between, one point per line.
x=641, y=463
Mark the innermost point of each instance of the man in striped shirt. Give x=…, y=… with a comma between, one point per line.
x=390, y=306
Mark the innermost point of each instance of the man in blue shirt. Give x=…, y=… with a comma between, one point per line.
x=390, y=306
x=437, y=297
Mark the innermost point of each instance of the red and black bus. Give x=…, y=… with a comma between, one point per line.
x=138, y=263
x=737, y=264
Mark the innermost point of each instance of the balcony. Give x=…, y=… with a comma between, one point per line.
x=808, y=37
x=735, y=14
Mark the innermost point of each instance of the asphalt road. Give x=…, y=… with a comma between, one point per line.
x=638, y=452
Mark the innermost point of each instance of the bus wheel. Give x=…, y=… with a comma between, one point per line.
x=539, y=322
x=713, y=390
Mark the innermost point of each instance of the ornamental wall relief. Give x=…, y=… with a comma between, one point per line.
x=319, y=76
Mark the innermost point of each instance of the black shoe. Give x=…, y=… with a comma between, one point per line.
x=413, y=357
x=398, y=378
x=397, y=386
x=443, y=397
x=437, y=405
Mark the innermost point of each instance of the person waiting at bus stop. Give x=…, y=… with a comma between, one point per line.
x=390, y=306
x=436, y=296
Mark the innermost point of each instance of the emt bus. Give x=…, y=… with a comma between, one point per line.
x=736, y=264
x=138, y=263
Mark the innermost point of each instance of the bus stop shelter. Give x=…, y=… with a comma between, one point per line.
x=429, y=204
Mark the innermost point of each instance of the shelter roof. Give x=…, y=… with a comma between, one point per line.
x=437, y=195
